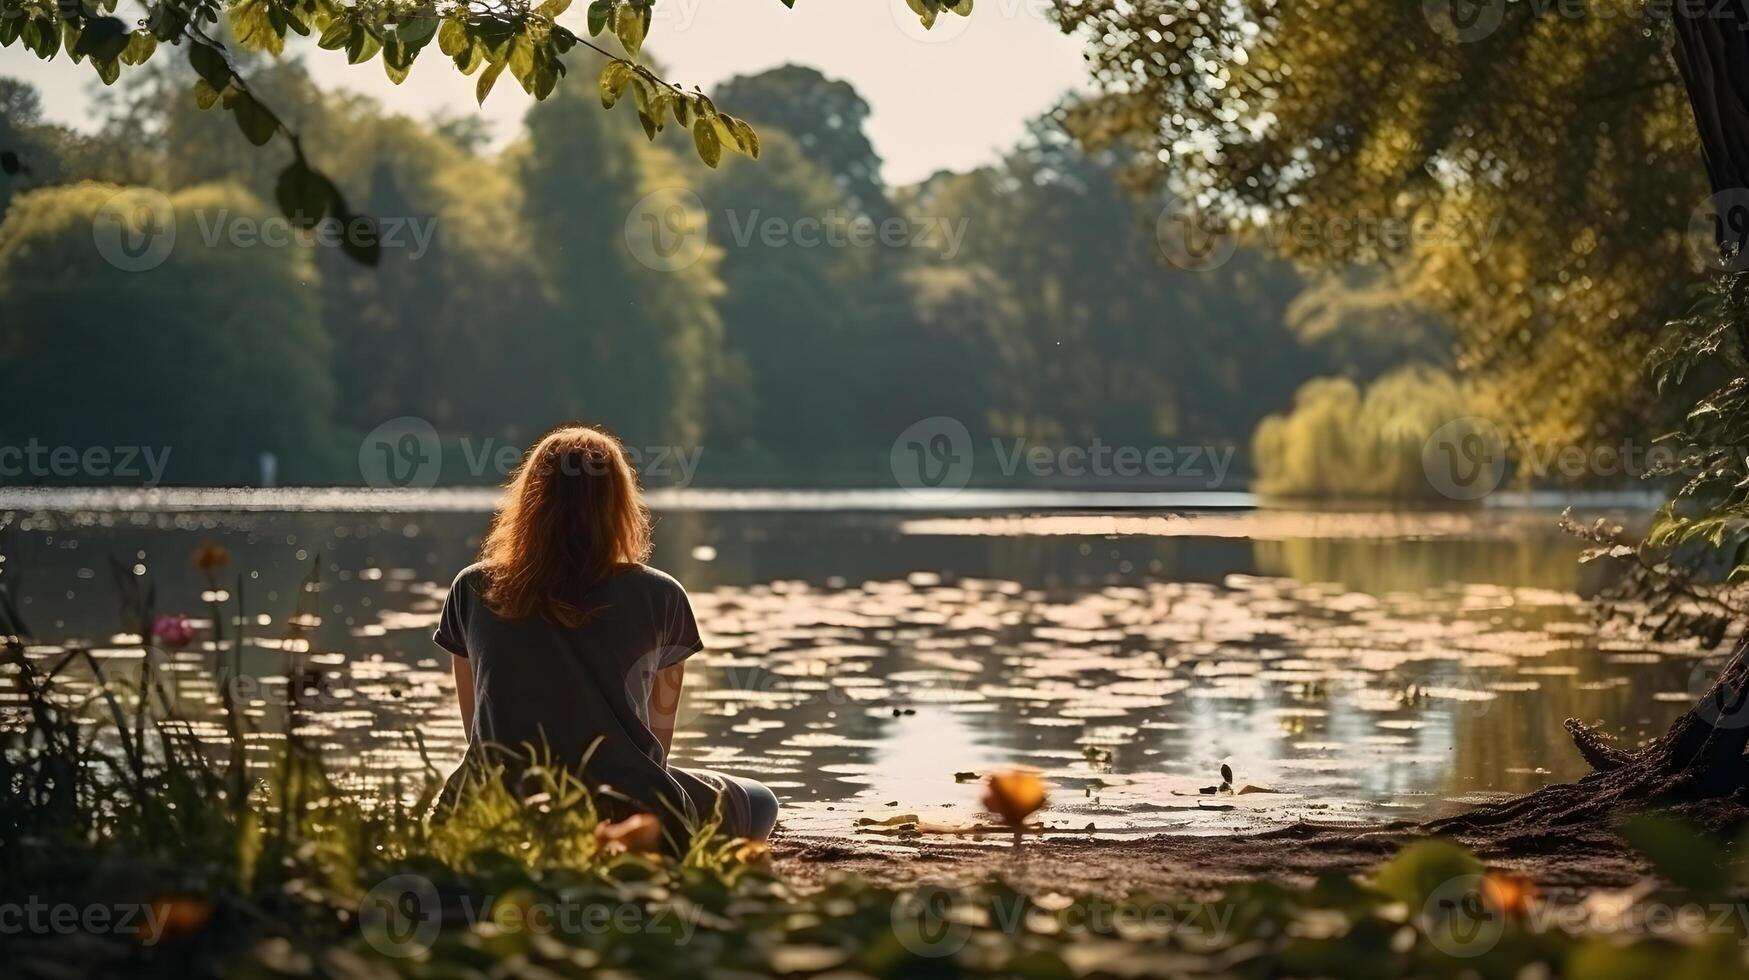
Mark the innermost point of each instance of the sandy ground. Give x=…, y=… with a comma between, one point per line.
x=1181, y=865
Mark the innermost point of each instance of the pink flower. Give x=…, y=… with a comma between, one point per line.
x=173, y=631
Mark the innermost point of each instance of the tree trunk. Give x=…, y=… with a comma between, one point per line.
x=1712, y=52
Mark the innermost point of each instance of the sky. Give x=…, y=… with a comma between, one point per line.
x=951, y=98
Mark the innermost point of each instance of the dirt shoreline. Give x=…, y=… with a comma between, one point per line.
x=1573, y=862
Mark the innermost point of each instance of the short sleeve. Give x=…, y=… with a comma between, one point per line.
x=683, y=638
x=451, y=633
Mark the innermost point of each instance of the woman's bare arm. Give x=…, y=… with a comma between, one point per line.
x=665, y=703
x=464, y=692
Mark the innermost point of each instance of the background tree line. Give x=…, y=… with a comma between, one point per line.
x=1056, y=320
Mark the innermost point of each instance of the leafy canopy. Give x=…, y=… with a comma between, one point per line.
x=483, y=38
x=1552, y=165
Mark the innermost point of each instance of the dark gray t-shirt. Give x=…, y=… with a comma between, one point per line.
x=538, y=684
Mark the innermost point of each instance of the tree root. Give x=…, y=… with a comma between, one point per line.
x=1700, y=757
x=1598, y=748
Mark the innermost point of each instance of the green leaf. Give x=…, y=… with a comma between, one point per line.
x=337, y=35
x=521, y=62
x=141, y=44
x=704, y=137
x=209, y=64
x=359, y=238
x=628, y=26
x=744, y=136
x=1679, y=851
x=167, y=21
x=103, y=38
x=1421, y=868
x=470, y=58
x=397, y=61
x=546, y=76
x=553, y=8
x=599, y=12
x=257, y=123
x=304, y=195
x=362, y=46
x=483, y=87
x=253, y=24
x=649, y=123
x=416, y=31
x=496, y=33
x=205, y=95
x=452, y=37
x=614, y=76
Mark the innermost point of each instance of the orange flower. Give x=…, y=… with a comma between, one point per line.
x=639, y=833
x=173, y=917
x=752, y=852
x=210, y=557
x=1014, y=795
x=1510, y=893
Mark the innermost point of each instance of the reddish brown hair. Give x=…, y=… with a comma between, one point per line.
x=572, y=516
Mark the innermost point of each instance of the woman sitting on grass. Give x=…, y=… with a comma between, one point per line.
x=567, y=646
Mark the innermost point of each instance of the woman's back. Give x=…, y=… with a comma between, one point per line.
x=541, y=688
x=560, y=632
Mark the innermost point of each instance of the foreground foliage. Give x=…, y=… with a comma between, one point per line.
x=172, y=863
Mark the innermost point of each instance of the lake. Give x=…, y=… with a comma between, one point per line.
x=867, y=650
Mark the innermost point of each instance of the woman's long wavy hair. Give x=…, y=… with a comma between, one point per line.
x=572, y=516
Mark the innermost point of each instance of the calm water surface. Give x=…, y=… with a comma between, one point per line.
x=1360, y=667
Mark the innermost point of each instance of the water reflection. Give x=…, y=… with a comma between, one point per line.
x=1361, y=668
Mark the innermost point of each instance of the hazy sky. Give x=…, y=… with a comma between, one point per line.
x=951, y=98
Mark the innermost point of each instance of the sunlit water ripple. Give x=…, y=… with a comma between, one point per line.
x=1351, y=667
